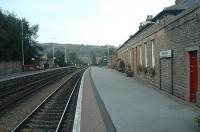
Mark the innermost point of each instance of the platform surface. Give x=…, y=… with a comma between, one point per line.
x=136, y=107
x=91, y=119
x=22, y=74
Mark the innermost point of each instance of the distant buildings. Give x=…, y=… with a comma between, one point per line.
x=165, y=51
x=112, y=61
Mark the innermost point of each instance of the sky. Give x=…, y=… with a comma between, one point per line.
x=94, y=22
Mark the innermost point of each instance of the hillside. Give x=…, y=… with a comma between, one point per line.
x=84, y=52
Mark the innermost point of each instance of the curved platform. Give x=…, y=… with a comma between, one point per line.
x=131, y=105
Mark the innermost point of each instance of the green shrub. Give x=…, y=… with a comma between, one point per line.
x=197, y=120
x=144, y=69
x=152, y=71
x=139, y=69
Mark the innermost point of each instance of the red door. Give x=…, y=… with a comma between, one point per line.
x=193, y=76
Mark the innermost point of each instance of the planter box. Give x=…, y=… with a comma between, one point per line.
x=129, y=74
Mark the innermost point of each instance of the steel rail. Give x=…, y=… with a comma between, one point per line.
x=27, y=85
x=27, y=92
x=64, y=112
x=23, y=122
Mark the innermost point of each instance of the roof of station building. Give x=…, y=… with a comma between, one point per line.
x=171, y=10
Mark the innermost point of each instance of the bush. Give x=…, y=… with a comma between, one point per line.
x=152, y=71
x=121, y=66
x=197, y=120
x=139, y=69
x=128, y=68
x=129, y=73
x=144, y=69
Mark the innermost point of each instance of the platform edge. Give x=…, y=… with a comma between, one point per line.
x=77, y=118
x=110, y=127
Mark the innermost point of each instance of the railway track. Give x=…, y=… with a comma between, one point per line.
x=11, y=96
x=51, y=114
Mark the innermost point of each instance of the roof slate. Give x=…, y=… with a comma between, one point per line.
x=183, y=5
x=174, y=9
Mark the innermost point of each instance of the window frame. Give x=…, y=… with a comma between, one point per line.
x=140, y=48
x=146, y=54
x=153, y=53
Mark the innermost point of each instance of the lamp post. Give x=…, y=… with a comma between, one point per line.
x=53, y=49
x=66, y=53
x=53, y=53
x=22, y=45
x=108, y=50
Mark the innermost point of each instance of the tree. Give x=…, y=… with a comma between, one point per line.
x=72, y=58
x=31, y=50
x=11, y=37
x=103, y=61
x=93, y=58
x=60, y=58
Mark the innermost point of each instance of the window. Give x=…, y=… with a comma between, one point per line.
x=152, y=53
x=146, y=59
x=130, y=57
x=136, y=56
x=140, y=54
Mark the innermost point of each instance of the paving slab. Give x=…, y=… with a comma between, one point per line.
x=136, y=107
x=91, y=119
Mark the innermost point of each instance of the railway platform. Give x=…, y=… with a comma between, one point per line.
x=25, y=74
x=113, y=102
x=19, y=79
x=88, y=116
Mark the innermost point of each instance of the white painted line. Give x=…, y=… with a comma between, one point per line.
x=77, y=118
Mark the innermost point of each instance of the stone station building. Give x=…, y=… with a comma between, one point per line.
x=165, y=51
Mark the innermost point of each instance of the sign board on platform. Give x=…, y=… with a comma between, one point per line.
x=166, y=54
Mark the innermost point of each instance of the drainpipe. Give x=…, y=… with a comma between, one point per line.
x=160, y=71
x=172, y=71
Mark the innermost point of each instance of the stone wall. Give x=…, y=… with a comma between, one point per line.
x=22, y=79
x=112, y=59
x=179, y=1
x=181, y=34
x=10, y=67
x=166, y=75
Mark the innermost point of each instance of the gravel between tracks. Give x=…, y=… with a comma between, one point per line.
x=12, y=117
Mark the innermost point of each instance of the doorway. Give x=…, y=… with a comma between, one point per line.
x=166, y=75
x=193, y=70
